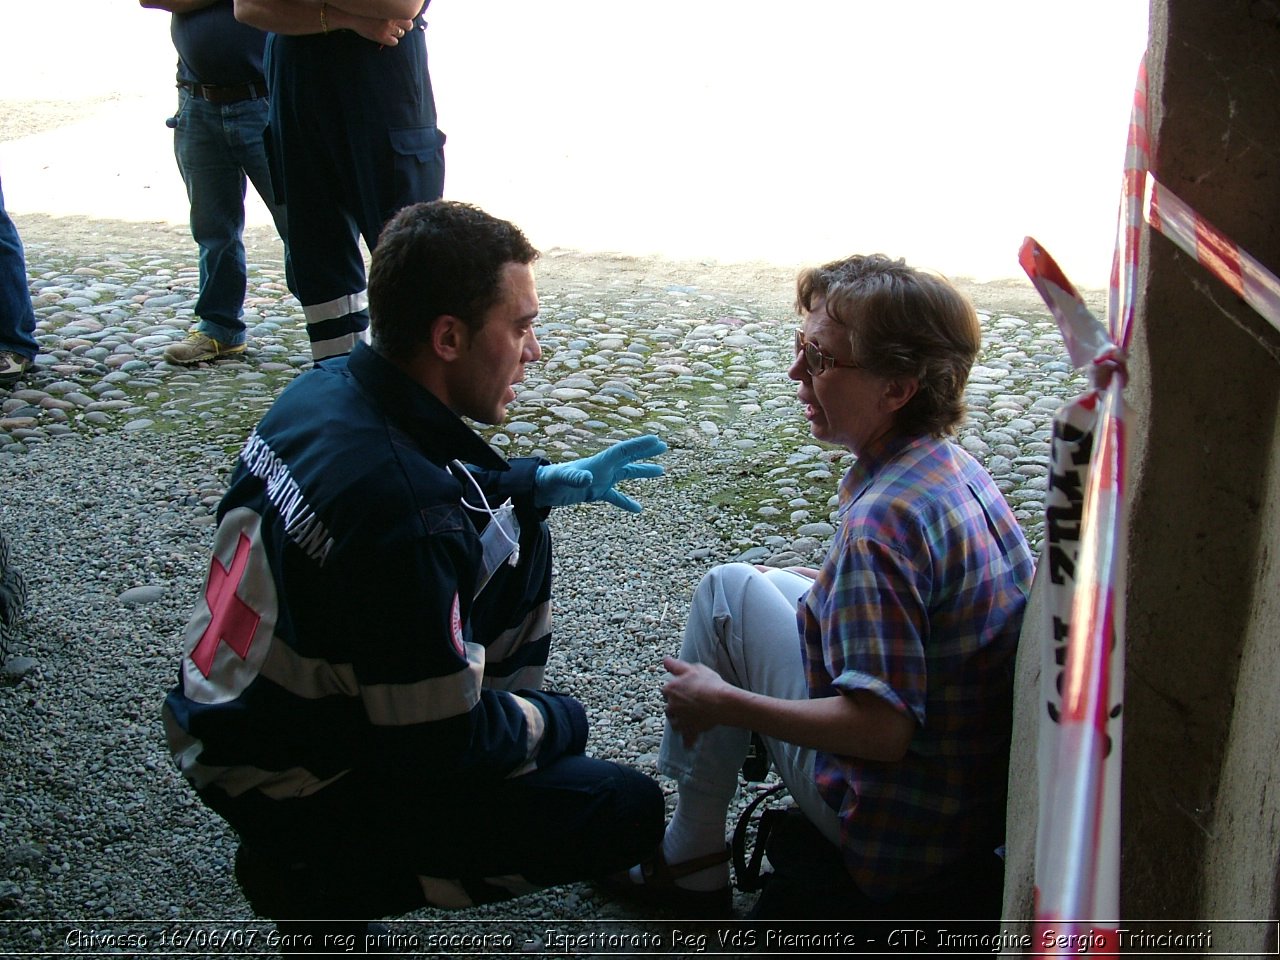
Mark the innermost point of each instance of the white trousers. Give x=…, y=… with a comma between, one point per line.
x=742, y=624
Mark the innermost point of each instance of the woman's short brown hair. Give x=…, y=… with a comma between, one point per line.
x=901, y=322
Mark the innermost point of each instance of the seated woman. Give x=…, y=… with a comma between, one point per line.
x=881, y=683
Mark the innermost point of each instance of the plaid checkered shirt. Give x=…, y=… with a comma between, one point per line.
x=920, y=602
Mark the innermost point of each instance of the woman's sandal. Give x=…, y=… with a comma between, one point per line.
x=658, y=886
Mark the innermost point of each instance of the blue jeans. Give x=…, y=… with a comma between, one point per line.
x=17, y=318
x=217, y=147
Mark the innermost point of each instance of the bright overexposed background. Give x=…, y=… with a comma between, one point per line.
x=715, y=129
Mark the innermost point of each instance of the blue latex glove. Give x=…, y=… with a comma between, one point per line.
x=592, y=478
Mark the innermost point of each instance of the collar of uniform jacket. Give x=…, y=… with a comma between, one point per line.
x=442, y=434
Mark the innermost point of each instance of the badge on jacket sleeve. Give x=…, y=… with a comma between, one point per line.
x=230, y=632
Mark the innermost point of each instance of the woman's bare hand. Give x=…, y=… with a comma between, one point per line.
x=693, y=696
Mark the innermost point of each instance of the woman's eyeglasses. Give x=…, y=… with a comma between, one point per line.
x=815, y=360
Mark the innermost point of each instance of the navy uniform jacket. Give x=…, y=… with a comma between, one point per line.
x=338, y=628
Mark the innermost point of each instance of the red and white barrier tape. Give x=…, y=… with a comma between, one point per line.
x=1082, y=671
x=1124, y=264
x=1194, y=235
x=1082, y=665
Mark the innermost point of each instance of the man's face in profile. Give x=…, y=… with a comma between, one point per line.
x=493, y=358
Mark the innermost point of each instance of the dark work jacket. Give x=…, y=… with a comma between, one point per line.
x=339, y=627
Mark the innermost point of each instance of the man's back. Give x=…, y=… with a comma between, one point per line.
x=338, y=627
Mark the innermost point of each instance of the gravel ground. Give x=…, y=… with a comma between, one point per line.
x=112, y=462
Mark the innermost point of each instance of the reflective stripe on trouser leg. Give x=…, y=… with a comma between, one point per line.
x=334, y=325
x=742, y=624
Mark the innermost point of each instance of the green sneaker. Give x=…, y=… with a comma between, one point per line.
x=198, y=348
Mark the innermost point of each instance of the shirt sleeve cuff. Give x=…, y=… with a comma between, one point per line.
x=854, y=680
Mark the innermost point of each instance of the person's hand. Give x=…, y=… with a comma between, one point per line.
x=692, y=693
x=593, y=478
x=385, y=33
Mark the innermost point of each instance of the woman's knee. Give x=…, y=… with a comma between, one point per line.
x=726, y=580
x=720, y=595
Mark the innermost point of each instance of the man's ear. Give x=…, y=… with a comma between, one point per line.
x=449, y=335
x=898, y=392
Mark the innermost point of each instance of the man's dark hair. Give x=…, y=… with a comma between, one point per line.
x=901, y=322
x=436, y=258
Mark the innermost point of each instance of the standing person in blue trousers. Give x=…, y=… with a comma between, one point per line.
x=17, y=318
x=218, y=143
x=353, y=139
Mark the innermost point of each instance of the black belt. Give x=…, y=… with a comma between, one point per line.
x=232, y=94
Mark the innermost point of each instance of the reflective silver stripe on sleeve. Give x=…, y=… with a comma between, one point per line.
x=535, y=626
x=387, y=704
x=535, y=723
x=436, y=698
x=276, y=784
x=526, y=678
x=309, y=677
